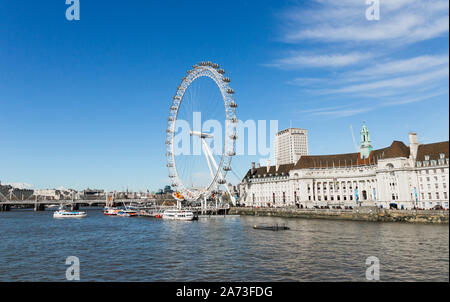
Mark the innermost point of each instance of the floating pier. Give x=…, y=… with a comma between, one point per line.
x=275, y=227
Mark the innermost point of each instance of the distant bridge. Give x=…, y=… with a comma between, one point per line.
x=39, y=205
x=139, y=204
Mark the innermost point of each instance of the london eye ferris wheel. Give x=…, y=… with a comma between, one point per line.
x=205, y=94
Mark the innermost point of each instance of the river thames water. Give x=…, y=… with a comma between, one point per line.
x=34, y=247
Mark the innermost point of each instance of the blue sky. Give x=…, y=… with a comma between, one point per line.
x=85, y=103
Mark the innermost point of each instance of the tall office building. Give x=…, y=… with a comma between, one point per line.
x=290, y=145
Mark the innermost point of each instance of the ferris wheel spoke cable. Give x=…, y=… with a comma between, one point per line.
x=234, y=172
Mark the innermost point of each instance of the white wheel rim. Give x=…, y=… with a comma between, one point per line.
x=204, y=69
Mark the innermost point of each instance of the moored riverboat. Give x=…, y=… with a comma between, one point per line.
x=127, y=213
x=69, y=214
x=183, y=215
x=151, y=213
x=111, y=211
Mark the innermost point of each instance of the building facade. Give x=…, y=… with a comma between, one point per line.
x=399, y=176
x=290, y=145
x=10, y=192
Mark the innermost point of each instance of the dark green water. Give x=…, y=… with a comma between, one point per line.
x=34, y=247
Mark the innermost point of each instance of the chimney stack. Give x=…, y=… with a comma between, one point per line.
x=268, y=165
x=258, y=165
x=253, y=167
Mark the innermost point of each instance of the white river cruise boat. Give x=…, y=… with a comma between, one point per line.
x=69, y=214
x=178, y=215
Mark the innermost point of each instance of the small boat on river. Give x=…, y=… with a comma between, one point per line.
x=179, y=215
x=111, y=211
x=69, y=214
x=127, y=213
x=275, y=227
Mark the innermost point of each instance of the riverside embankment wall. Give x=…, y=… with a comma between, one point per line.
x=358, y=214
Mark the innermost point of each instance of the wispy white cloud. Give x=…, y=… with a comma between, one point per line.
x=347, y=111
x=393, y=73
x=342, y=58
x=319, y=110
x=344, y=21
x=408, y=99
x=395, y=83
x=306, y=82
x=343, y=112
x=415, y=64
x=333, y=60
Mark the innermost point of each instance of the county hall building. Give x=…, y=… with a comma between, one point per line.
x=398, y=176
